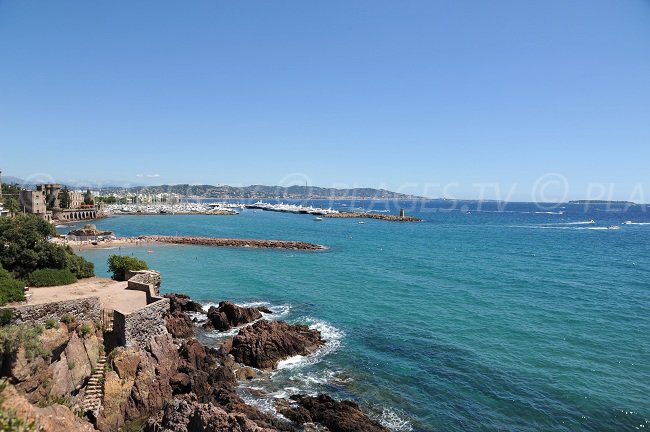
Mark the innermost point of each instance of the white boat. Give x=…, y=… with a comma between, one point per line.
x=591, y=221
x=318, y=219
x=627, y=223
x=613, y=227
x=361, y=222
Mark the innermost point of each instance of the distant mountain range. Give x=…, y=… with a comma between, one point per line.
x=262, y=192
x=229, y=192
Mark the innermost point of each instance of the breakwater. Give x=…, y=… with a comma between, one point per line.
x=232, y=242
x=380, y=216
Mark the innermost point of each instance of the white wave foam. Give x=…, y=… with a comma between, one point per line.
x=637, y=223
x=550, y=213
x=332, y=337
x=393, y=420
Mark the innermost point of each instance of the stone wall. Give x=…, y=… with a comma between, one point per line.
x=85, y=309
x=138, y=327
x=139, y=279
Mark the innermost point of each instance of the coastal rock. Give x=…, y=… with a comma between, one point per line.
x=185, y=413
x=182, y=303
x=179, y=325
x=78, y=362
x=140, y=383
x=337, y=416
x=53, y=418
x=229, y=315
x=263, y=344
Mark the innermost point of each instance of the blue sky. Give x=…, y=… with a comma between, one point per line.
x=499, y=99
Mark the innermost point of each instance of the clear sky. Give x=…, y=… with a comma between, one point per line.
x=499, y=99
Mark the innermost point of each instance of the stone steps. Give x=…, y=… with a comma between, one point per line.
x=94, y=389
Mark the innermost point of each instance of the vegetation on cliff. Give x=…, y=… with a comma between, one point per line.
x=120, y=264
x=25, y=248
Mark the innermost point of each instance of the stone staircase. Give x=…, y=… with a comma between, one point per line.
x=95, y=388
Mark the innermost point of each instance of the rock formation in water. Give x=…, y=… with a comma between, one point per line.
x=337, y=416
x=263, y=344
x=228, y=315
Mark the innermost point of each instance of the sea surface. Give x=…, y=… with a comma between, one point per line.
x=484, y=317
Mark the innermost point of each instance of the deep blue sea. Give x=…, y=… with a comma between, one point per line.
x=484, y=317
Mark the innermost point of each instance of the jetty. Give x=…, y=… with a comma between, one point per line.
x=231, y=242
x=378, y=216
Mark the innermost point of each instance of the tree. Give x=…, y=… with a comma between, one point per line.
x=120, y=264
x=24, y=248
x=88, y=198
x=10, y=198
x=64, y=198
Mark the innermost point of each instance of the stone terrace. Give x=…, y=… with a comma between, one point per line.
x=111, y=294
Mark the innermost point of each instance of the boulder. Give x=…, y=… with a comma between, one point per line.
x=337, y=416
x=185, y=413
x=263, y=344
x=179, y=325
x=183, y=303
x=78, y=362
x=53, y=418
x=229, y=315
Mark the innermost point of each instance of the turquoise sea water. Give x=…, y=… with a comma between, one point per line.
x=480, y=318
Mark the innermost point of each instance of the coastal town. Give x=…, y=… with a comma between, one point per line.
x=59, y=204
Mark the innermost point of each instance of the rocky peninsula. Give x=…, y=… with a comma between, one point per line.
x=71, y=374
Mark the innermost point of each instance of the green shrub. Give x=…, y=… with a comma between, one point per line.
x=5, y=316
x=85, y=329
x=51, y=277
x=51, y=323
x=11, y=290
x=120, y=264
x=71, y=365
x=67, y=318
x=14, y=336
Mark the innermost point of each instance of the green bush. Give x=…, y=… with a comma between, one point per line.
x=67, y=318
x=11, y=290
x=51, y=277
x=26, y=335
x=51, y=323
x=85, y=329
x=5, y=317
x=120, y=264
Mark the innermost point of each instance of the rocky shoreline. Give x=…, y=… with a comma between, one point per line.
x=232, y=242
x=175, y=383
x=378, y=216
